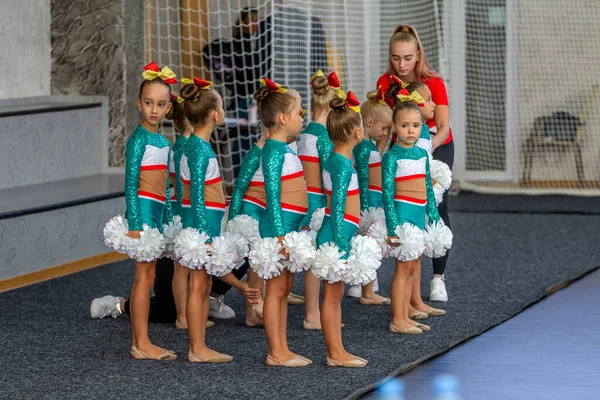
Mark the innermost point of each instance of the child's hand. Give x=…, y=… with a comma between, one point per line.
x=134, y=234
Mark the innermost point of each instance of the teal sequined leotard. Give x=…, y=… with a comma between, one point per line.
x=343, y=203
x=174, y=173
x=146, y=175
x=248, y=182
x=313, y=149
x=407, y=192
x=203, y=201
x=368, y=169
x=424, y=140
x=285, y=190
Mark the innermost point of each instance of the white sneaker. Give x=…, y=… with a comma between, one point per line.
x=355, y=291
x=438, y=289
x=105, y=306
x=218, y=309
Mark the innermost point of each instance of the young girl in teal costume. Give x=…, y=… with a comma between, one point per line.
x=407, y=200
x=286, y=205
x=377, y=121
x=203, y=207
x=313, y=149
x=147, y=198
x=341, y=219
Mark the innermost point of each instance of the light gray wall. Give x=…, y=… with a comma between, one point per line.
x=25, y=48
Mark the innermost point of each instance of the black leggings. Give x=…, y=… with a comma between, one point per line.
x=162, y=304
x=444, y=153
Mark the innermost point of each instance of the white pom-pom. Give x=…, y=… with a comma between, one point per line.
x=190, y=248
x=170, y=232
x=438, y=239
x=329, y=264
x=313, y=237
x=378, y=232
x=301, y=250
x=411, y=242
x=441, y=173
x=149, y=247
x=439, y=191
x=364, y=260
x=317, y=219
x=246, y=226
x=241, y=247
x=370, y=217
x=266, y=259
x=115, y=234
x=223, y=256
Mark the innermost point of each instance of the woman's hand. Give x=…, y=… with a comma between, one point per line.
x=253, y=295
x=134, y=234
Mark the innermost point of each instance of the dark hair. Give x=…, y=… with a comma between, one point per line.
x=341, y=120
x=404, y=106
x=146, y=82
x=270, y=104
x=198, y=103
x=245, y=15
x=416, y=85
x=394, y=89
x=177, y=115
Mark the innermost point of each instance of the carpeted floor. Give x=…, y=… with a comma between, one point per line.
x=49, y=348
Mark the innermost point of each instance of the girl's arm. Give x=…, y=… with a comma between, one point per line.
x=198, y=163
x=272, y=159
x=249, y=166
x=442, y=121
x=340, y=180
x=133, y=156
x=388, y=175
x=167, y=210
x=178, y=184
x=324, y=148
x=361, y=159
x=431, y=207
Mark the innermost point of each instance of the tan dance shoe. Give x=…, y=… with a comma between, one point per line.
x=436, y=311
x=410, y=331
x=357, y=362
x=294, y=362
x=368, y=302
x=219, y=358
x=419, y=315
x=423, y=327
x=140, y=355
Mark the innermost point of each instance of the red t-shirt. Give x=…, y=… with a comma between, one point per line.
x=439, y=95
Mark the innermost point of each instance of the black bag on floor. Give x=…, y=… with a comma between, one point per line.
x=559, y=126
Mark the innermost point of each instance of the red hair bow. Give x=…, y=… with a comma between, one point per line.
x=398, y=81
x=381, y=93
x=152, y=71
x=274, y=87
x=333, y=81
x=202, y=84
x=176, y=98
x=352, y=102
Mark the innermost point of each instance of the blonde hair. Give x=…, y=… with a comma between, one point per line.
x=407, y=33
x=373, y=107
x=322, y=94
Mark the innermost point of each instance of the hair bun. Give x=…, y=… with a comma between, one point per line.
x=262, y=94
x=337, y=104
x=373, y=95
x=320, y=85
x=189, y=91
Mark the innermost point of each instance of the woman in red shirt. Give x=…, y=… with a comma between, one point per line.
x=407, y=62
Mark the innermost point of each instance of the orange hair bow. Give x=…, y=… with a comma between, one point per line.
x=398, y=81
x=176, y=98
x=274, y=87
x=201, y=83
x=415, y=97
x=315, y=75
x=152, y=71
x=333, y=81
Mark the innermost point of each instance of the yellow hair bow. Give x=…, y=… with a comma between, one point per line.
x=274, y=87
x=176, y=98
x=186, y=81
x=152, y=71
x=415, y=97
x=317, y=74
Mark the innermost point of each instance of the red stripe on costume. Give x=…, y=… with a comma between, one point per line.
x=152, y=196
x=213, y=181
x=174, y=197
x=155, y=167
x=212, y=204
x=172, y=174
x=185, y=181
x=256, y=183
x=255, y=201
x=375, y=188
x=186, y=202
x=309, y=159
x=349, y=218
x=291, y=207
x=314, y=190
x=292, y=176
x=352, y=192
x=409, y=177
x=410, y=199
x=377, y=164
